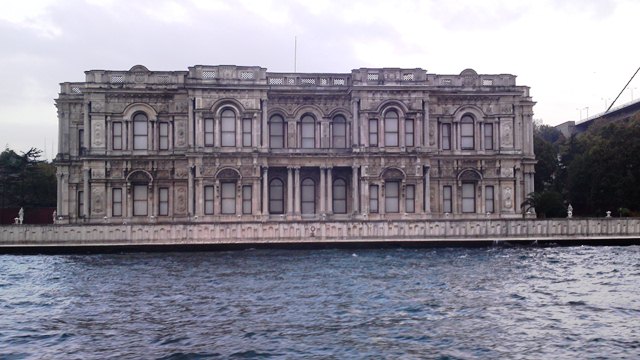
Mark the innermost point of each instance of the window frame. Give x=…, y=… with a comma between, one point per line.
x=116, y=135
x=374, y=198
x=276, y=200
x=307, y=196
x=388, y=186
x=410, y=198
x=209, y=132
x=339, y=183
x=139, y=199
x=225, y=121
x=389, y=133
x=374, y=133
x=447, y=199
x=228, y=194
x=247, y=132
x=80, y=204
x=409, y=135
x=116, y=202
x=163, y=201
x=339, y=122
x=247, y=199
x=445, y=131
x=467, y=122
x=275, y=122
x=489, y=201
x=163, y=139
x=307, y=126
x=466, y=209
x=140, y=140
x=488, y=136
x=209, y=194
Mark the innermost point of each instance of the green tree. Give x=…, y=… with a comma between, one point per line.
x=26, y=181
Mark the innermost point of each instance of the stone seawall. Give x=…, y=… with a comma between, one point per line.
x=322, y=232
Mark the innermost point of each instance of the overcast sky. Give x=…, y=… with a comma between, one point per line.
x=574, y=54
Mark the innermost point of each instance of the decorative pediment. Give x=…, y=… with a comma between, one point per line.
x=392, y=174
x=228, y=174
x=469, y=175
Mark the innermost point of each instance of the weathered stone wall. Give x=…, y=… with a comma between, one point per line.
x=275, y=232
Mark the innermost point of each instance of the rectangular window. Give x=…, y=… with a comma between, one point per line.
x=163, y=201
x=373, y=132
x=410, y=205
x=488, y=199
x=116, y=138
x=164, y=136
x=392, y=197
x=228, y=198
x=140, y=133
x=208, y=200
x=488, y=136
x=468, y=197
x=373, y=198
x=140, y=197
x=80, y=203
x=466, y=136
x=208, y=132
x=246, y=199
x=447, y=200
x=81, y=141
x=228, y=131
x=409, y=133
x=390, y=132
x=446, y=136
x=246, y=132
x=116, y=202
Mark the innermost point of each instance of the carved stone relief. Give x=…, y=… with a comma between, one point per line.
x=181, y=200
x=181, y=133
x=506, y=133
x=98, y=134
x=97, y=195
x=507, y=196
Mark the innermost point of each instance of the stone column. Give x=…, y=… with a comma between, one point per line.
x=191, y=125
x=297, y=191
x=355, y=123
x=517, y=190
x=323, y=186
x=85, y=192
x=59, y=197
x=427, y=190
x=265, y=125
x=354, y=187
x=365, y=197
x=255, y=197
x=150, y=200
x=190, y=192
x=329, y=190
x=265, y=191
x=289, y=190
x=154, y=203
x=87, y=130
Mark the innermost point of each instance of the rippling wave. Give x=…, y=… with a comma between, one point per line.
x=495, y=302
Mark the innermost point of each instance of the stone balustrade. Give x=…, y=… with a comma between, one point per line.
x=321, y=232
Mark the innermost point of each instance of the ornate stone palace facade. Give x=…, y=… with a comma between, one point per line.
x=236, y=143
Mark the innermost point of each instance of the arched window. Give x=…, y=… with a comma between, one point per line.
x=466, y=133
x=308, y=132
x=140, y=131
x=276, y=197
x=308, y=197
x=391, y=128
x=276, y=132
x=339, y=133
x=340, y=196
x=228, y=128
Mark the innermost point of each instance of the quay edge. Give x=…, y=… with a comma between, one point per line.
x=316, y=234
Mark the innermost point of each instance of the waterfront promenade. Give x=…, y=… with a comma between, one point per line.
x=319, y=233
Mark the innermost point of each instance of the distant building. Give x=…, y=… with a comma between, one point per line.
x=237, y=143
x=621, y=112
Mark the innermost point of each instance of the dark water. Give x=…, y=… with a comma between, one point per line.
x=497, y=302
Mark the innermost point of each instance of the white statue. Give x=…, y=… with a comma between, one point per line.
x=569, y=211
x=54, y=216
x=20, y=216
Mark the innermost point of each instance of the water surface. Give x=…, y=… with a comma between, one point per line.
x=457, y=303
